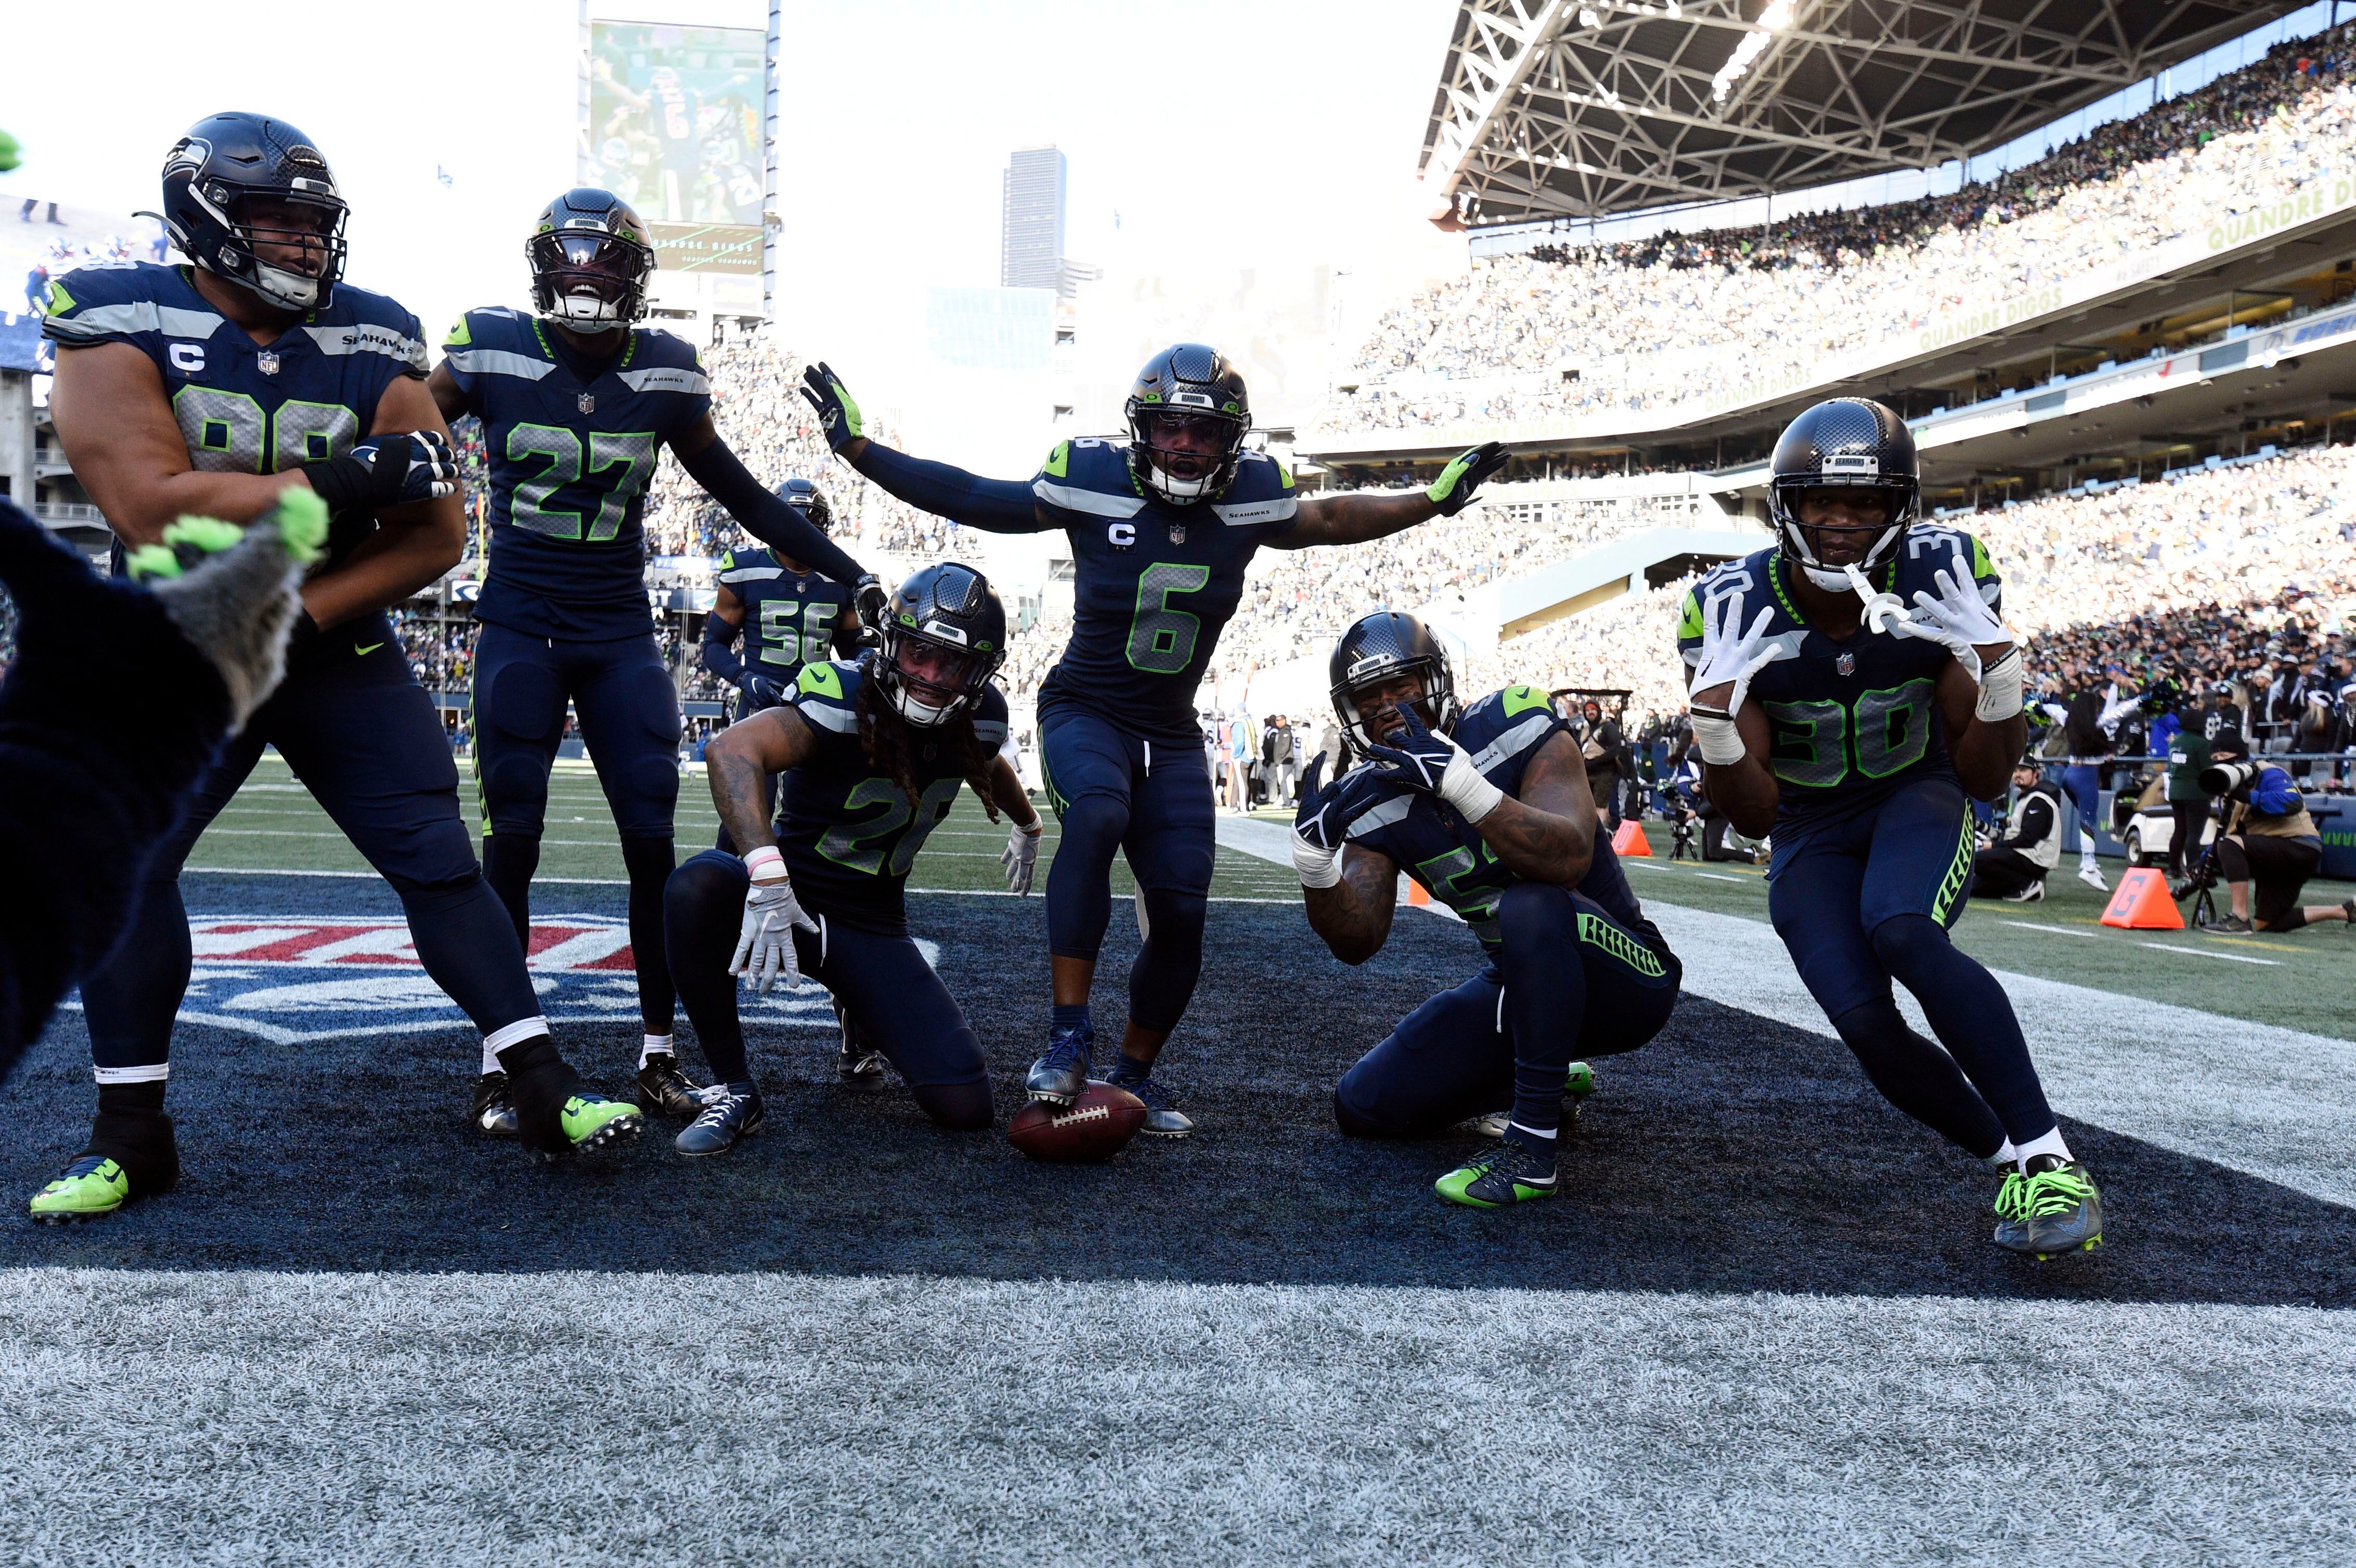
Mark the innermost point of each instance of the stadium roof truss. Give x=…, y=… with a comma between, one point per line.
x=1581, y=108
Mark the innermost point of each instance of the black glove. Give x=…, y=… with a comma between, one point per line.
x=838, y=416
x=1453, y=491
x=763, y=689
x=388, y=470
x=875, y=603
x=1317, y=821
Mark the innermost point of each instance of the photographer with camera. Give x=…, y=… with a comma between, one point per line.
x=2014, y=867
x=2268, y=838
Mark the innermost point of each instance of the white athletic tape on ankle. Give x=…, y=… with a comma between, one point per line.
x=515, y=1033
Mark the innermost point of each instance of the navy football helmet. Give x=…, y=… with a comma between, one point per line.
x=944, y=636
x=238, y=183
x=1187, y=414
x=590, y=261
x=1843, y=442
x=1382, y=647
x=809, y=500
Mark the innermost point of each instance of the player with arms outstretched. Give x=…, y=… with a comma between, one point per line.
x=210, y=389
x=1488, y=808
x=788, y=615
x=873, y=755
x=1882, y=687
x=1161, y=528
x=577, y=402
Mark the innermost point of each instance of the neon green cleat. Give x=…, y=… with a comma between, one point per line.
x=1512, y=1172
x=91, y=1187
x=2063, y=1210
x=592, y=1122
x=2012, y=1211
x=1580, y=1082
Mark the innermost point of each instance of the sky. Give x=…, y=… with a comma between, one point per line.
x=1205, y=138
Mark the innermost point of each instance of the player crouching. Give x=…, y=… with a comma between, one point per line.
x=1490, y=812
x=872, y=755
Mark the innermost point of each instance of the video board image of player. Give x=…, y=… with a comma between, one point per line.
x=674, y=119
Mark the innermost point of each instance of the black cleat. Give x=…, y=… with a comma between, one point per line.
x=2063, y=1209
x=665, y=1088
x=1060, y=1075
x=858, y=1064
x=1162, y=1117
x=495, y=1112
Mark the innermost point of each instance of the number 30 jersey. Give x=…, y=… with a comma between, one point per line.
x=243, y=407
x=1153, y=584
x=848, y=832
x=1851, y=720
x=570, y=461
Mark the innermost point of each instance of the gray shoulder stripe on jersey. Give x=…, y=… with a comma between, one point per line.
x=1381, y=816
x=990, y=732
x=826, y=716
x=752, y=573
x=1094, y=503
x=500, y=362
x=368, y=338
x=1524, y=733
x=1275, y=511
x=136, y=316
x=666, y=378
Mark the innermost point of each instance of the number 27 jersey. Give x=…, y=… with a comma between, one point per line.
x=1851, y=720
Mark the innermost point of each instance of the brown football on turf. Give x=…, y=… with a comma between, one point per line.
x=1092, y=1128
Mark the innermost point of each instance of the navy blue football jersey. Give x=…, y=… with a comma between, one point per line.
x=570, y=467
x=788, y=618
x=244, y=408
x=1851, y=720
x=848, y=832
x=1153, y=584
x=1446, y=853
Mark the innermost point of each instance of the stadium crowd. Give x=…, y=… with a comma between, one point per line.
x=1642, y=325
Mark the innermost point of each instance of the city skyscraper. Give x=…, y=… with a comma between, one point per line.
x=1031, y=223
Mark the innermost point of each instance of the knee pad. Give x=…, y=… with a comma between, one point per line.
x=1903, y=941
x=515, y=795
x=957, y=1107
x=1535, y=912
x=1354, y=1123
x=707, y=877
x=1174, y=917
x=1094, y=822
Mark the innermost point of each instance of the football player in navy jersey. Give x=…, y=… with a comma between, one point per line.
x=577, y=403
x=1882, y=688
x=209, y=389
x=1487, y=806
x=1161, y=528
x=873, y=755
x=788, y=615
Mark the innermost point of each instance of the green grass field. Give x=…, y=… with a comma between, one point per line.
x=2304, y=981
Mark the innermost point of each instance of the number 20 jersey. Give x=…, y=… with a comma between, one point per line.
x=570, y=466
x=1153, y=584
x=1851, y=720
x=243, y=407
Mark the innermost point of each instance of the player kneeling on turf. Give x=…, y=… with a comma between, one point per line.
x=871, y=754
x=1490, y=812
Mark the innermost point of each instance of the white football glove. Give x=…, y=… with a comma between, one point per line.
x=1958, y=620
x=1880, y=608
x=765, y=947
x=1728, y=654
x=1021, y=855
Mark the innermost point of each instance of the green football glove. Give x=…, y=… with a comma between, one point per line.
x=838, y=416
x=11, y=154
x=1453, y=491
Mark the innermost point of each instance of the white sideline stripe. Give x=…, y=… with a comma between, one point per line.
x=2211, y=952
x=2276, y=1104
x=1300, y=1424
x=2057, y=930
x=624, y=882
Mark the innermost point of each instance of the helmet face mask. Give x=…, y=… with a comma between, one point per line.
x=1187, y=414
x=1388, y=663
x=590, y=262
x=248, y=198
x=944, y=637
x=1835, y=466
x=808, y=500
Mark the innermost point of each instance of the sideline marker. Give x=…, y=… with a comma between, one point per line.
x=1630, y=840
x=2141, y=903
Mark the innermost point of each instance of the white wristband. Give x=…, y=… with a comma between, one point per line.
x=1463, y=787
x=764, y=859
x=2000, y=689
x=1318, y=867
x=1718, y=740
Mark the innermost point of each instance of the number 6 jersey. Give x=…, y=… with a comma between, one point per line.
x=571, y=458
x=1850, y=720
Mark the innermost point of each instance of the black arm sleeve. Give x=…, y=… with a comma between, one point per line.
x=994, y=506
x=2036, y=819
x=764, y=516
x=720, y=649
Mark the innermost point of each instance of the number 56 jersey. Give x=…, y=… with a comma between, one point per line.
x=1851, y=720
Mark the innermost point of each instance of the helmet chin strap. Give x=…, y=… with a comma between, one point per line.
x=922, y=714
x=1183, y=492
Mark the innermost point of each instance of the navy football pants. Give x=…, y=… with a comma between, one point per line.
x=365, y=740
x=1570, y=984
x=629, y=721
x=897, y=1003
x=1861, y=902
x=1149, y=800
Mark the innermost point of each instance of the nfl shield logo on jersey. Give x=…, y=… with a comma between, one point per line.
x=267, y=362
x=1177, y=534
x=588, y=403
x=1846, y=664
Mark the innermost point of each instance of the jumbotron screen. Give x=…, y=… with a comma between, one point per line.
x=675, y=129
